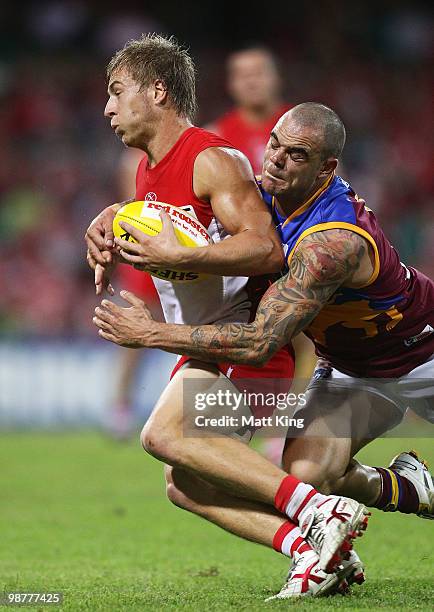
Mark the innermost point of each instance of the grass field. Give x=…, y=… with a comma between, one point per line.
x=87, y=517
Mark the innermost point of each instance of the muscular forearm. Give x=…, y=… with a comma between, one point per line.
x=317, y=270
x=282, y=313
x=231, y=342
x=245, y=254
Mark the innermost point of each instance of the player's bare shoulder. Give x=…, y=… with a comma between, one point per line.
x=216, y=162
x=333, y=257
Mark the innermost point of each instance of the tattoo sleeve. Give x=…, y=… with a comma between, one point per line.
x=321, y=263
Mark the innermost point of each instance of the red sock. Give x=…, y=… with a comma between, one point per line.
x=288, y=540
x=293, y=496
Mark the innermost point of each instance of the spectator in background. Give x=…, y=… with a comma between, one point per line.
x=254, y=84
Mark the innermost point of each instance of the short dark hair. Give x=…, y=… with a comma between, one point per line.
x=326, y=120
x=153, y=57
x=257, y=47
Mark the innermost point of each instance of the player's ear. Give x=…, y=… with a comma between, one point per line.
x=328, y=166
x=159, y=92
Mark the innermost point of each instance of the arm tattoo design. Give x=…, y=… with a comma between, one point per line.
x=320, y=264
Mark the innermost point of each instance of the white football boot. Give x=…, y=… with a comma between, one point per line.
x=416, y=471
x=330, y=528
x=307, y=579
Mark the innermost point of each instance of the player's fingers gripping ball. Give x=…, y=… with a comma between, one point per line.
x=145, y=216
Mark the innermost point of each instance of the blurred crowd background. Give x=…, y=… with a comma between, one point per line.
x=59, y=159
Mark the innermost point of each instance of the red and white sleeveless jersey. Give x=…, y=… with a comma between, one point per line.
x=215, y=298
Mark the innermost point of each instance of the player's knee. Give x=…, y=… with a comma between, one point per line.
x=158, y=442
x=175, y=494
x=179, y=498
x=147, y=440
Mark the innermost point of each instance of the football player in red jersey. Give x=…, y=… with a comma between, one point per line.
x=151, y=104
x=371, y=319
x=254, y=84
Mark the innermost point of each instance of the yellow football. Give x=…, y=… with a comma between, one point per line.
x=145, y=216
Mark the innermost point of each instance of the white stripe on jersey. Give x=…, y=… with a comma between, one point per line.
x=216, y=299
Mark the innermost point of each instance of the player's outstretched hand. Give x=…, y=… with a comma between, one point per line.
x=151, y=251
x=124, y=326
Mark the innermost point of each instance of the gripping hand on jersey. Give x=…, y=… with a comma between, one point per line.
x=124, y=326
x=151, y=252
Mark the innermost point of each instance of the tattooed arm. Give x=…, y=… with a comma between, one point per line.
x=321, y=263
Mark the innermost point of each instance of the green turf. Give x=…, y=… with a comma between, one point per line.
x=85, y=516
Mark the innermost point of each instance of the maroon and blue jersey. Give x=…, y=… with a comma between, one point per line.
x=382, y=329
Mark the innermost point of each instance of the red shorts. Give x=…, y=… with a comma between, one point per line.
x=274, y=377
